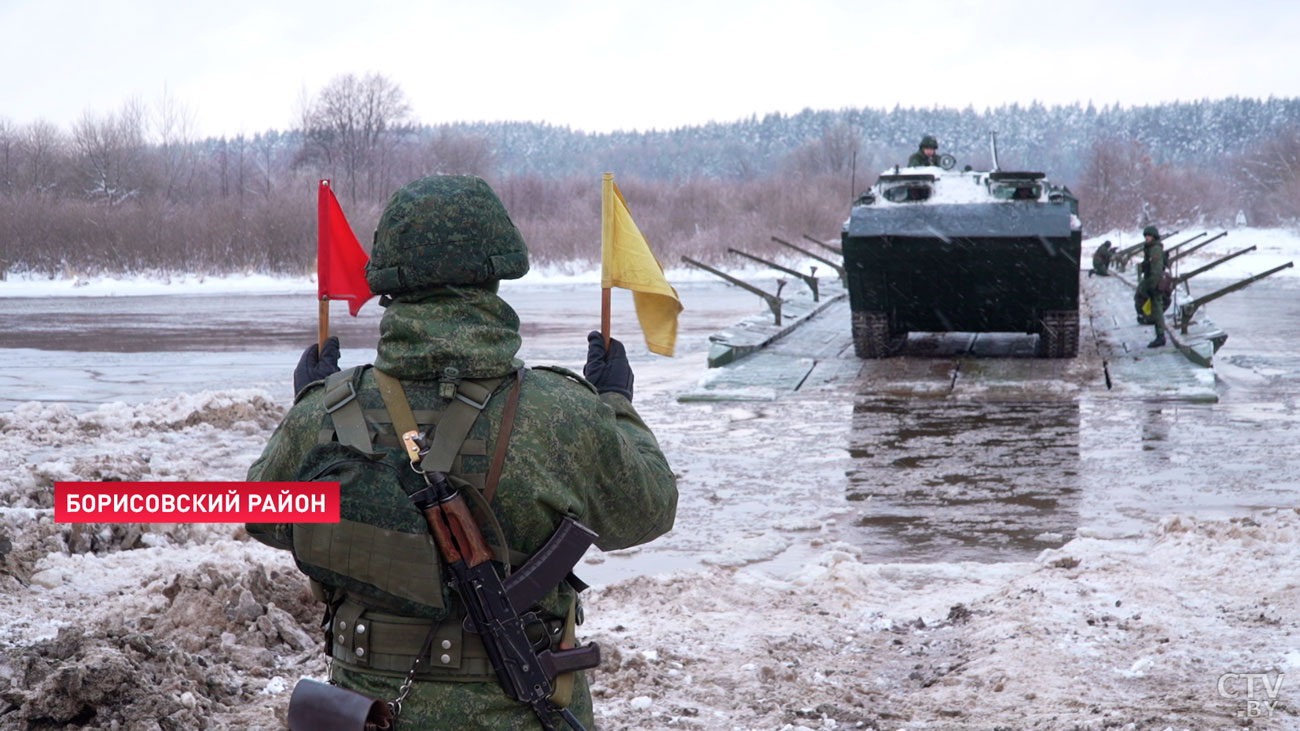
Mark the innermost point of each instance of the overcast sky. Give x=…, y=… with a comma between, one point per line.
x=242, y=66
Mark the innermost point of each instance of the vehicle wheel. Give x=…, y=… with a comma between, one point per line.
x=1058, y=334
x=871, y=336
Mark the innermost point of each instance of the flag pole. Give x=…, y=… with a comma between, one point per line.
x=604, y=315
x=606, y=241
x=323, y=318
x=323, y=312
x=340, y=261
x=324, y=324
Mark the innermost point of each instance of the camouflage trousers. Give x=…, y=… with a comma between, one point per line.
x=460, y=705
x=1157, y=316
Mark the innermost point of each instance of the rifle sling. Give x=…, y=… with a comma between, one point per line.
x=503, y=438
x=452, y=429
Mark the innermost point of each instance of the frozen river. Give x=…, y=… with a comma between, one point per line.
x=914, y=479
x=86, y=351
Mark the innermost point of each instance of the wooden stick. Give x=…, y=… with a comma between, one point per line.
x=324, y=324
x=604, y=315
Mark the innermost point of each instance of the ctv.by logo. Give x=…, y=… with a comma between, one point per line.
x=1258, y=692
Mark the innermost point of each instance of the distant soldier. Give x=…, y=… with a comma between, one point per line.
x=1153, y=267
x=927, y=155
x=1101, y=259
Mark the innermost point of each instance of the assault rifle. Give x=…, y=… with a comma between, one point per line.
x=498, y=611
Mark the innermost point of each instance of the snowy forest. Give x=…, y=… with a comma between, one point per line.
x=136, y=191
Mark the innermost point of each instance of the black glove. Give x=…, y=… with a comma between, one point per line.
x=608, y=371
x=313, y=367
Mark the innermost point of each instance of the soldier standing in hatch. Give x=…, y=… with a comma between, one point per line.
x=1152, y=268
x=577, y=448
x=926, y=155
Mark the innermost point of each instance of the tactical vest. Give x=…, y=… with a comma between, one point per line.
x=379, y=568
x=380, y=553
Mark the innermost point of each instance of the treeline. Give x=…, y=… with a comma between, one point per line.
x=135, y=191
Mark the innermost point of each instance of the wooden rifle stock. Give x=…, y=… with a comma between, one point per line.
x=455, y=531
x=524, y=674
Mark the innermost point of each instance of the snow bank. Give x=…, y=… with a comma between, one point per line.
x=87, y=611
x=1096, y=634
x=24, y=285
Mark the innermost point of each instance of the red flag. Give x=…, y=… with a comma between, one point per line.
x=340, y=260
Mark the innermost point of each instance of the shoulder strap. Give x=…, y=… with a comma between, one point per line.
x=345, y=410
x=452, y=429
x=456, y=422
x=503, y=439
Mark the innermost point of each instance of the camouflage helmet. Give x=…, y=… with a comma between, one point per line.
x=1151, y=231
x=930, y=142
x=445, y=229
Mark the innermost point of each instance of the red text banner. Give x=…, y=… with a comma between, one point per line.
x=196, y=502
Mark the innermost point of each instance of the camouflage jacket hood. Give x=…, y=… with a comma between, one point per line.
x=470, y=329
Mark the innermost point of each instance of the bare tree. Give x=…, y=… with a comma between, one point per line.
x=110, y=150
x=1111, y=189
x=265, y=147
x=832, y=153
x=175, y=152
x=1268, y=177
x=241, y=158
x=456, y=153
x=221, y=160
x=43, y=151
x=354, y=124
x=8, y=156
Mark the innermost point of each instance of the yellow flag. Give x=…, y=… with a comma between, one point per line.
x=626, y=261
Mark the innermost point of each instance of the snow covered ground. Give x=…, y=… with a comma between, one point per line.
x=1164, y=596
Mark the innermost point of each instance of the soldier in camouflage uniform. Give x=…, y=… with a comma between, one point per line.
x=1101, y=260
x=926, y=155
x=577, y=447
x=1152, y=268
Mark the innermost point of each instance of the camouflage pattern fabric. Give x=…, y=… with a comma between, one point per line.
x=462, y=705
x=1152, y=268
x=414, y=346
x=920, y=159
x=1153, y=263
x=445, y=229
x=572, y=452
x=1101, y=259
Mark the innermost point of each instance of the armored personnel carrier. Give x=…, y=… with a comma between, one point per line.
x=931, y=249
